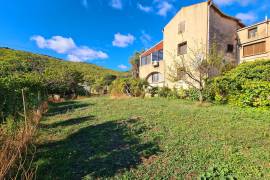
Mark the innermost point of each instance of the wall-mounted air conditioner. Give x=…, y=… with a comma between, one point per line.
x=155, y=63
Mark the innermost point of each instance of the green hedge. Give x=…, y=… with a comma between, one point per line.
x=11, y=86
x=246, y=85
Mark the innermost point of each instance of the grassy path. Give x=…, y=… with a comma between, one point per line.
x=135, y=138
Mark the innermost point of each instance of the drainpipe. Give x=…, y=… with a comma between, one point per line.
x=208, y=25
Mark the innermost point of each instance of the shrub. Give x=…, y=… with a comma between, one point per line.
x=153, y=91
x=128, y=86
x=182, y=93
x=164, y=92
x=246, y=85
x=193, y=94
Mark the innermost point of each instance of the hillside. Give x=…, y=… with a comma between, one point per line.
x=90, y=71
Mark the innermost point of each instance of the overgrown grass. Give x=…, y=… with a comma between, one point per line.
x=147, y=138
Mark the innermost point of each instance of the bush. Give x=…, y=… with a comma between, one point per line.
x=246, y=85
x=193, y=94
x=153, y=91
x=164, y=92
x=128, y=86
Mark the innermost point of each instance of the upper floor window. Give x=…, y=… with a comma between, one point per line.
x=160, y=54
x=182, y=48
x=181, y=27
x=146, y=60
x=157, y=55
x=254, y=49
x=252, y=32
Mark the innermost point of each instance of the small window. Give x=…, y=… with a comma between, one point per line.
x=181, y=27
x=230, y=48
x=252, y=33
x=182, y=48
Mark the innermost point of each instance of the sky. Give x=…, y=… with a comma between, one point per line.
x=102, y=32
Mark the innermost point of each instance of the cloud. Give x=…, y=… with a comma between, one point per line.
x=122, y=66
x=84, y=53
x=117, y=4
x=145, y=39
x=57, y=43
x=231, y=2
x=122, y=41
x=85, y=3
x=63, y=45
x=163, y=7
x=248, y=18
x=144, y=8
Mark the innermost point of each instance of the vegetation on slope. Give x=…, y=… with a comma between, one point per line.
x=152, y=138
x=91, y=72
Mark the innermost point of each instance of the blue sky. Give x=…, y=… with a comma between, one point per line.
x=103, y=32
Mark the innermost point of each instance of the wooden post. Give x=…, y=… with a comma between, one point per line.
x=24, y=108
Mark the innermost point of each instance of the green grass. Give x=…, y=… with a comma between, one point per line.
x=152, y=138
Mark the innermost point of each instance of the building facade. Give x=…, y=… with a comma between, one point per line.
x=194, y=27
x=254, y=41
x=152, y=66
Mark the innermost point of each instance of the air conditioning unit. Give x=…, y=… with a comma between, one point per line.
x=155, y=63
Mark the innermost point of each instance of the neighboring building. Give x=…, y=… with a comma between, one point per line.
x=254, y=41
x=152, y=65
x=197, y=25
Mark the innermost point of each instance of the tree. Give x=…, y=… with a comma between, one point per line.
x=135, y=63
x=198, y=66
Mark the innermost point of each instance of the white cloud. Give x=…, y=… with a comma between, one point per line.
x=145, y=39
x=230, y=2
x=41, y=42
x=248, y=18
x=57, y=43
x=117, y=4
x=144, y=8
x=122, y=66
x=67, y=46
x=122, y=41
x=84, y=53
x=164, y=7
x=85, y=3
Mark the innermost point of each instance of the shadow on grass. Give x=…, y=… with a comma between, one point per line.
x=98, y=151
x=68, y=122
x=64, y=107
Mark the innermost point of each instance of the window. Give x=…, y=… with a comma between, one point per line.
x=252, y=32
x=143, y=60
x=182, y=48
x=230, y=48
x=146, y=60
x=181, y=27
x=155, y=77
x=155, y=56
x=160, y=55
x=255, y=49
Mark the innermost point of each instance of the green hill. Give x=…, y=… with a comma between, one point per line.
x=90, y=71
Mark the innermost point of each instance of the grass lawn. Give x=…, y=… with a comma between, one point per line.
x=152, y=138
